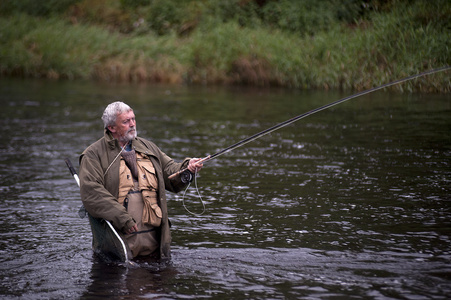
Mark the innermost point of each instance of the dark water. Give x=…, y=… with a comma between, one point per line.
x=351, y=203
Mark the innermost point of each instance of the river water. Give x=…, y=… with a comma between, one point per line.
x=350, y=203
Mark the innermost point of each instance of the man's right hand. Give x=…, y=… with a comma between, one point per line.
x=132, y=229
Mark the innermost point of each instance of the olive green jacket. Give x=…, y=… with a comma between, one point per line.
x=99, y=188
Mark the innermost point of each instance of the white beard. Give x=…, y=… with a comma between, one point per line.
x=129, y=135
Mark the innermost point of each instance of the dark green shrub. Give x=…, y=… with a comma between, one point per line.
x=134, y=3
x=35, y=7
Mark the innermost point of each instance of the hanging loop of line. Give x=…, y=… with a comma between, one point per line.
x=301, y=116
x=198, y=193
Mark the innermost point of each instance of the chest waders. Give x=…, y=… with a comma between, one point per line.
x=138, y=193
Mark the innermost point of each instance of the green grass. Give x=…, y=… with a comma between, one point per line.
x=402, y=39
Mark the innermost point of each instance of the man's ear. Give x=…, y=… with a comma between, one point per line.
x=112, y=129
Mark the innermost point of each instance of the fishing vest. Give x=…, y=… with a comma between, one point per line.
x=147, y=186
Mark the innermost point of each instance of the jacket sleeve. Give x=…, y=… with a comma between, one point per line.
x=97, y=200
x=170, y=167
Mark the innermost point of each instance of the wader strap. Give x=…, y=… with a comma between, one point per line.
x=143, y=231
x=133, y=192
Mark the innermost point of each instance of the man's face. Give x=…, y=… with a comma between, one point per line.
x=125, y=128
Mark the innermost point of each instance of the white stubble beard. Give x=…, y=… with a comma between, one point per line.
x=128, y=136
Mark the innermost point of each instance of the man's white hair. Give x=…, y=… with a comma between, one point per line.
x=112, y=111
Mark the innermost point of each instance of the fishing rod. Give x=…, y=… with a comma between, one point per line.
x=74, y=173
x=301, y=116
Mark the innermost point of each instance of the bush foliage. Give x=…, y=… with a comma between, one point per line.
x=353, y=44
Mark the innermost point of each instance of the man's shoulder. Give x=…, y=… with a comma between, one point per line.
x=97, y=146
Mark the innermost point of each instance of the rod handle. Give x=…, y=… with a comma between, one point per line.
x=70, y=166
x=205, y=159
x=177, y=173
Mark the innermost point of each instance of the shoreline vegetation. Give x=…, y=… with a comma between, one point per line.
x=305, y=44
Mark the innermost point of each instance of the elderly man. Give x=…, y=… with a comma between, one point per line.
x=123, y=179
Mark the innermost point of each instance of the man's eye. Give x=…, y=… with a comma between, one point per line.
x=128, y=121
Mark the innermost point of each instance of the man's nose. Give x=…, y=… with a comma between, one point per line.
x=132, y=123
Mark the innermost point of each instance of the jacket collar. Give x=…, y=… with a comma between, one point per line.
x=137, y=144
x=111, y=141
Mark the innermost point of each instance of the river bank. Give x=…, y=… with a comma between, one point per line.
x=118, y=41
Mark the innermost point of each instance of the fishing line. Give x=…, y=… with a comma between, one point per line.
x=198, y=193
x=297, y=118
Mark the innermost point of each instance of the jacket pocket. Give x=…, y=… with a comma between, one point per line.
x=147, y=177
x=125, y=181
x=152, y=212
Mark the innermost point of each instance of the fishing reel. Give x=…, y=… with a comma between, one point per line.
x=186, y=176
